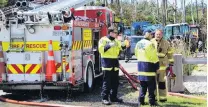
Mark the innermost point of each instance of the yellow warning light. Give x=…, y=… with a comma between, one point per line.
x=65, y=27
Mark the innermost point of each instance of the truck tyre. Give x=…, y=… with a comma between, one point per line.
x=89, y=85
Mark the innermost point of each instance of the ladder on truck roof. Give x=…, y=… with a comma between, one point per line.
x=61, y=5
x=16, y=37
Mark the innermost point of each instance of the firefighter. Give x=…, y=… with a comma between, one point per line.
x=109, y=48
x=128, y=49
x=148, y=64
x=165, y=55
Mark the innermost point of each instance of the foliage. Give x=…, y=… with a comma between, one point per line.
x=147, y=11
x=203, y=25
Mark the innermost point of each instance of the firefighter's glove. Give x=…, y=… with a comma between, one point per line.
x=108, y=46
x=173, y=76
x=123, y=44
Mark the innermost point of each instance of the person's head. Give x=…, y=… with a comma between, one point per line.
x=148, y=34
x=127, y=38
x=112, y=32
x=158, y=34
x=120, y=34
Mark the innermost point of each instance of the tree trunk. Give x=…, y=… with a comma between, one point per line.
x=202, y=2
x=111, y=1
x=192, y=16
x=197, y=16
x=158, y=11
x=163, y=13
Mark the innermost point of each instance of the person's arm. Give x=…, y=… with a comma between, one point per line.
x=136, y=49
x=121, y=46
x=170, y=54
x=101, y=46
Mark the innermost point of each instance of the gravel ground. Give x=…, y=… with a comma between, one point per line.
x=81, y=99
x=197, y=84
x=85, y=99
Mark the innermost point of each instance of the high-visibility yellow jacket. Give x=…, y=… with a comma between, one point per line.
x=148, y=62
x=165, y=53
x=109, y=55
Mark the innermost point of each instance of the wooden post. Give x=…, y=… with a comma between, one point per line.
x=178, y=70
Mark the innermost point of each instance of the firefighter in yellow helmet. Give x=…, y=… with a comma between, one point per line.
x=165, y=55
x=128, y=48
x=109, y=48
x=148, y=64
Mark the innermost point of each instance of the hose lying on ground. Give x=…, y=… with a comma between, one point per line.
x=132, y=84
x=130, y=79
x=125, y=72
x=35, y=103
x=186, y=96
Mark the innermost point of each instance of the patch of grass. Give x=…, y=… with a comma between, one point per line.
x=173, y=101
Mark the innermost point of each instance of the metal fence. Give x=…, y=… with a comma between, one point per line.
x=179, y=60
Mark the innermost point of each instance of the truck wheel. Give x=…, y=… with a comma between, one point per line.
x=89, y=85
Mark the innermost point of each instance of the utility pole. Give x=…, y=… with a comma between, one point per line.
x=197, y=17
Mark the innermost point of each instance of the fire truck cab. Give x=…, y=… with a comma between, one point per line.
x=25, y=43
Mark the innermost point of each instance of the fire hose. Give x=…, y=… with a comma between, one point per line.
x=171, y=74
x=130, y=78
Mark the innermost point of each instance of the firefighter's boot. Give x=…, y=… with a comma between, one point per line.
x=106, y=102
x=117, y=100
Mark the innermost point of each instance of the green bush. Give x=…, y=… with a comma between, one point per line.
x=3, y=3
x=188, y=68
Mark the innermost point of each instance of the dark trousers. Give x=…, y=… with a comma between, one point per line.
x=110, y=84
x=128, y=53
x=151, y=86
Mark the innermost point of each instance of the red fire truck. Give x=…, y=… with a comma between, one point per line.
x=103, y=15
x=25, y=46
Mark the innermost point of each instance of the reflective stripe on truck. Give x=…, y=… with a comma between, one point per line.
x=19, y=68
x=32, y=46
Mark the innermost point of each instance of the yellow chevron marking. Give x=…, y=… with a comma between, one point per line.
x=27, y=67
x=68, y=70
x=78, y=43
x=58, y=69
x=12, y=69
x=81, y=44
x=35, y=70
x=20, y=66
